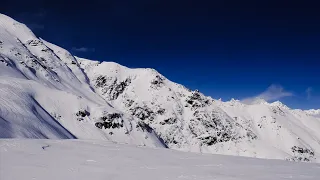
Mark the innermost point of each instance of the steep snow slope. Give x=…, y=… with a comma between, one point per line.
x=95, y=160
x=21, y=115
x=48, y=93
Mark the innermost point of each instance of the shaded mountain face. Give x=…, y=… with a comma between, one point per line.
x=46, y=92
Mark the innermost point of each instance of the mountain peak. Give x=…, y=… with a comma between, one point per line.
x=279, y=104
x=259, y=100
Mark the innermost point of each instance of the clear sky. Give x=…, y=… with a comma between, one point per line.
x=226, y=49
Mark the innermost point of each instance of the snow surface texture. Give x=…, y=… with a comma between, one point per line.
x=94, y=160
x=46, y=92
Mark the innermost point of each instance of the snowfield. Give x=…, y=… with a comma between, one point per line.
x=94, y=160
x=47, y=93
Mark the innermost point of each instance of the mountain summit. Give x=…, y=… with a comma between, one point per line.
x=46, y=92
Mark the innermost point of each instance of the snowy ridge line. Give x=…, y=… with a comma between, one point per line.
x=46, y=92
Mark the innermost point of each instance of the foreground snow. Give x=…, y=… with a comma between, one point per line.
x=79, y=159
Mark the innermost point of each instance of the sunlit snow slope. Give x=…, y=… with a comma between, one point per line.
x=46, y=92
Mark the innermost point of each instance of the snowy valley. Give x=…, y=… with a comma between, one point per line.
x=47, y=93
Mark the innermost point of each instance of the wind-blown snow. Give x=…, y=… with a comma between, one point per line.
x=46, y=92
x=94, y=160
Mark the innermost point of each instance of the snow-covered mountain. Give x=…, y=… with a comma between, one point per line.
x=46, y=92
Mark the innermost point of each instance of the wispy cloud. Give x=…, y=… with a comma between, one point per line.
x=272, y=93
x=83, y=49
x=308, y=92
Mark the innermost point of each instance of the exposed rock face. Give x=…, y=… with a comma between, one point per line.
x=302, y=154
x=110, y=86
x=113, y=120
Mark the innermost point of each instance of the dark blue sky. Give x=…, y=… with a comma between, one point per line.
x=223, y=48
